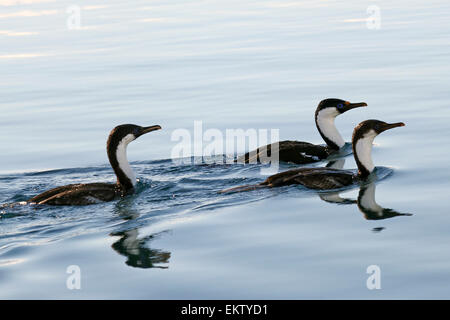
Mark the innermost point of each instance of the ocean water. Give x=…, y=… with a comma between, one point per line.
x=232, y=65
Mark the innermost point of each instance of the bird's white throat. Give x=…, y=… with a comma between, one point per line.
x=325, y=121
x=363, y=150
x=121, y=154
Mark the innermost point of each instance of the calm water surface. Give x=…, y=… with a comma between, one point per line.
x=231, y=64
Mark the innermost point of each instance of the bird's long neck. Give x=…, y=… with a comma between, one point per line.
x=362, y=151
x=117, y=154
x=327, y=129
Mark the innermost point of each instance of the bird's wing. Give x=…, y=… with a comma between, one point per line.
x=82, y=194
x=288, y=151
x=313, y=178
x=306, y=148
x=52, y=192
x=324, y=181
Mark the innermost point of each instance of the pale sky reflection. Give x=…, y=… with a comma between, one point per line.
x=8, y=3
x=10, y=33
x=28, y=13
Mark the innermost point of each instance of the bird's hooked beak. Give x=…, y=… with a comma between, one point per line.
x=388, y=126
x=145, y=130
x=349, y=105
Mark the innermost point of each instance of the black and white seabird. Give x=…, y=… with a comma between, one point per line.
x=300, y=152
x=91, y=193
x=325, y=178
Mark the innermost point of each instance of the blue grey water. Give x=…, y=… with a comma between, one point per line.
x=231, y=64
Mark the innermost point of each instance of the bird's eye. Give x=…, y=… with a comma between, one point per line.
x=340, y=106
x=377, y=126
x=136, y=131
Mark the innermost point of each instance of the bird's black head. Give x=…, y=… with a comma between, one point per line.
x=339, y=105
x=129, y=132
x=373, y=127
x=362, y=140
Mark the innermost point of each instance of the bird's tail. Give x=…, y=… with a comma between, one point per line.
x=248, y=187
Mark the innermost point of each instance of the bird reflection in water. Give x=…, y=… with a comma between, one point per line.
x=366, y=199
x=137, y=251
x=370, y=208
